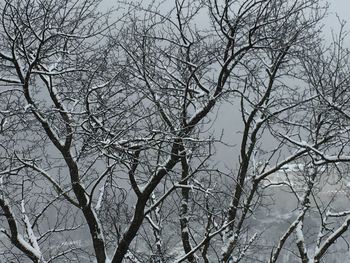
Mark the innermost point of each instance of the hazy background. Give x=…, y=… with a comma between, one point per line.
x=227, y=116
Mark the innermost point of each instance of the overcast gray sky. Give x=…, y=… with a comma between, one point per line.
x=340, y=8
x=228, y=113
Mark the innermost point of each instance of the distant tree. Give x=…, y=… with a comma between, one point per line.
x=108, y=152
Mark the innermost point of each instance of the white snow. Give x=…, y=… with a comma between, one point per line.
x=27, y=107
x=335, y=234
x=28, y=247
x=299, y=232
x=293, y=167
x=31, y=236
x=100, y=198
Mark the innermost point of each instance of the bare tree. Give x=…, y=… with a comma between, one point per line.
x=107, y=146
